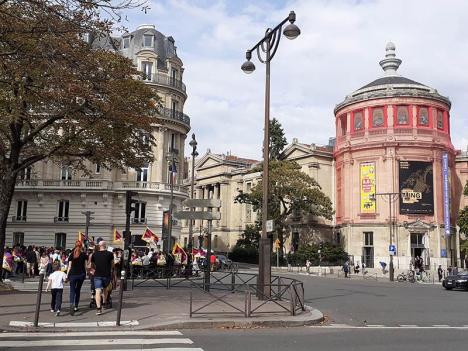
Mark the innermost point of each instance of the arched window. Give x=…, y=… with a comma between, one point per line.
x=402, y=115
x=358, y=121
x=440, y=120
x=378, y=117
x=423, y=116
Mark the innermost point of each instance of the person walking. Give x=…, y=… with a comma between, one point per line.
x=76, y=274
x=440, y=272
x=103, y=262
x=55, y=282
x=30, y=261
x=346, y=269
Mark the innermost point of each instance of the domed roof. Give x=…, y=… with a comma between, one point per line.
x=391, y=84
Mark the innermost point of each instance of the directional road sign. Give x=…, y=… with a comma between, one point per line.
x=210, y=203
x=193, y=215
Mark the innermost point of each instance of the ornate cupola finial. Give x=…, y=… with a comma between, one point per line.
x=390, y=63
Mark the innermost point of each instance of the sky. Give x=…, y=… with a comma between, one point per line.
x=338, y=51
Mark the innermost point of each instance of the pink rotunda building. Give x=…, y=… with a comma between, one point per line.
x=394, y=159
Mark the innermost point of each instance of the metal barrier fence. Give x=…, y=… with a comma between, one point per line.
x=286, y=296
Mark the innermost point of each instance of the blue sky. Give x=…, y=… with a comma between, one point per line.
x=338, y=51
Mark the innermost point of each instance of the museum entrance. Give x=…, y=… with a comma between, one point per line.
x=418, y=248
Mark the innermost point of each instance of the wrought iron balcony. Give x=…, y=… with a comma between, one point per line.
x=173, y=114
x=139, y=220
x=18, y=218
x=61, y=219
x=166, y=80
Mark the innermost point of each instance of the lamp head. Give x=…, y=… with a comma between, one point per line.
x=291, y=31
x=248, y=66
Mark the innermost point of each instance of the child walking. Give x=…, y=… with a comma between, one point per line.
x=55, y=282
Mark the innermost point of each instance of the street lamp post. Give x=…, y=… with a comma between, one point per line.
x=88, y=221
x=268, y=45
x=172, y=161
x=391, y=198
x=193, y=143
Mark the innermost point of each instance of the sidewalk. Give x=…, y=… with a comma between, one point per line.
x=155, y=308
x=337, y=273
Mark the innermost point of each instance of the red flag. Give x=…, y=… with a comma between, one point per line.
x=117, y=235
x=149, y=236
x=177, y=250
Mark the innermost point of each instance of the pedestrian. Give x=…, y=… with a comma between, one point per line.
x=346, y=269
x=308, y=264
x=30, y=261
x=7, y=264
x=384, y=266
x=440, y=272
x=43, y=262
x=55, y=282
x=356, y=268
x=76, y=274
x=103, y=263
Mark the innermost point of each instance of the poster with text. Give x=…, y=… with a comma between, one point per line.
x=367, y=184
x=416, y=187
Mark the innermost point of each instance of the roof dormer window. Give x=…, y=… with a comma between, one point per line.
x=126, y=43
x=148, y=40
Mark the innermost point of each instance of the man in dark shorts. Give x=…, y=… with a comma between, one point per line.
x=103, y=262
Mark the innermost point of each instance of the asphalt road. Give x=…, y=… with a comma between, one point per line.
x=360, y=302
x=361, y=315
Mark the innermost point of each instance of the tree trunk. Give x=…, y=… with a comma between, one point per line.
x=7, y=188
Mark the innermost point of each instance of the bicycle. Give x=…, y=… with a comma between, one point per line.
x=402, y=277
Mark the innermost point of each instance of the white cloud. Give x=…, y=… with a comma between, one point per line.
x=338, y=51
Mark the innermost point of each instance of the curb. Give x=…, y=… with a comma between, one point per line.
x=311, y=316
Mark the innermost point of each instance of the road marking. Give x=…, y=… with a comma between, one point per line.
x=96, y=342
x=100, y=333
x=74, y=324
x=380, y=326
x=155, y=349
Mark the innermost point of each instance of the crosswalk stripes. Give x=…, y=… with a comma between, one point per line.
x=102, y=341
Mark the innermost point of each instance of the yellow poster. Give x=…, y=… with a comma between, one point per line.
x=367, y=180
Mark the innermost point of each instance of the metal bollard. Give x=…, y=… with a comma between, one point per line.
x=233, y=281
x=119, y=311
x=39, y=297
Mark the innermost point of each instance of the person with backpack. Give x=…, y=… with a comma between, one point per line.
x=103, y=263
x=76, y=274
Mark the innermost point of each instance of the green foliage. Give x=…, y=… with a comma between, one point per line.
x=249, y=237
x=464, y=247
x=277, y=139
x=244, y=254
x=291, y=193
x=462, y=221
x=465, y=190
x=330, y=255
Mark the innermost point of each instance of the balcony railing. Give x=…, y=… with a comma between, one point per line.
x=18, y=218
x=139, y=220
x=173, y=114
x=61, y=219
x=166, y=80
x=97, y=184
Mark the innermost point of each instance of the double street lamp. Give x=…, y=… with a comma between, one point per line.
x=266, y=50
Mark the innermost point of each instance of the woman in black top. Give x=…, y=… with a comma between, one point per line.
x=76, y=275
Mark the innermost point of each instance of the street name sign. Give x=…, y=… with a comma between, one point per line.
x=193, y=215
x=210, y=203
x=269, y=225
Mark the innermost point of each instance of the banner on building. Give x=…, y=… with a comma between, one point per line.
x=446, y=192
x=367, y=187
x=416, y=187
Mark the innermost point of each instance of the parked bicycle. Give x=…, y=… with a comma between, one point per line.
x=409, y=276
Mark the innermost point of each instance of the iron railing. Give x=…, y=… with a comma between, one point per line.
x=164, y=79
x=174, y=114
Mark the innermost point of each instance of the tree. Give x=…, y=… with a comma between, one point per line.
x=249, y=237
x=292, y=193
x=62, y=100
x=277, y=139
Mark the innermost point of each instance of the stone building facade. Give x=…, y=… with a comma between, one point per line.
x=391, y=137
x=223, y=176
x=50, y=198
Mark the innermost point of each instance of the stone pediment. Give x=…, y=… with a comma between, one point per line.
x=208, y=161
x=418, y=226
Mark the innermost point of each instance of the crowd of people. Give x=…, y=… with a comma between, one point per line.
x=67, y=266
